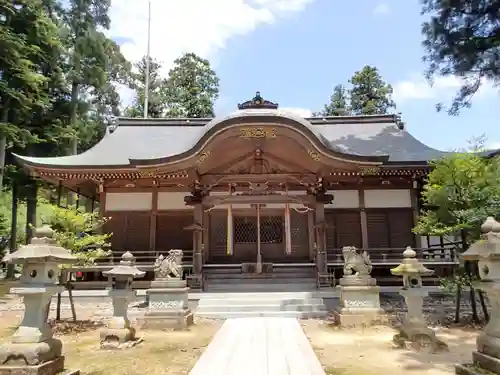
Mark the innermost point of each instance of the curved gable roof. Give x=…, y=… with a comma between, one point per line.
x=135, y=139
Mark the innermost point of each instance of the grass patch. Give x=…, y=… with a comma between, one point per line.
x=162, y=352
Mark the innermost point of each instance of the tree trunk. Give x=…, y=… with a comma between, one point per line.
x=458, y=300
x=73, y=150
x=3, y=143
x=13, y=230
x=31, y=202
x=483, y=306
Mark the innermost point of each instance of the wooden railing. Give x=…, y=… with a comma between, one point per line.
x=144, y=260
x=393, y=256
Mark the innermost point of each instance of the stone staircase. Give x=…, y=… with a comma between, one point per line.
x=287, y=291
x=302, y=305
x=282, y=279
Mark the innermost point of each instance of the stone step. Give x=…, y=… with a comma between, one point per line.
x=305, y=287
x=270, y=281
x=264, y=296
x=258, y=301
x=260, y=307
x=259, y=277
x=268, y=314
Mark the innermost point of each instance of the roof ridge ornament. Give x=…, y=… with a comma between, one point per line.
x=258, y=102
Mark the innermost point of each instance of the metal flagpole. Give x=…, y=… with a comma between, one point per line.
x=146, y=83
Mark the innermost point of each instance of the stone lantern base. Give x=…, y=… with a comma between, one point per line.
x=359, y=303
x=42, y=358
x=416, y=336
x=482, y=364
x=168, y=305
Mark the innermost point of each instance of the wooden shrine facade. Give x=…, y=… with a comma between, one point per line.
x=259, y=186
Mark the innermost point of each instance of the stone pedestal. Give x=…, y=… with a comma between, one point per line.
x=118, y=331
x=168, y=305
x=414, y=332
x=32, y=350
x=359, y=302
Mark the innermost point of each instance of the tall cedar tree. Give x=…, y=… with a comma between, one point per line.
x=339, y=103
x=370, y=94
x=192, y=88
x=462, y=38
x=93, y=59
x=27, y=33
x=156, y=84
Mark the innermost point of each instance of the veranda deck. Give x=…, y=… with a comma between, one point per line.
x=263, y=346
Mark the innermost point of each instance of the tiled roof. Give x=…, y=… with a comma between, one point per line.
x=142, y=139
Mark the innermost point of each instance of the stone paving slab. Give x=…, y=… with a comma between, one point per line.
x=263, y=346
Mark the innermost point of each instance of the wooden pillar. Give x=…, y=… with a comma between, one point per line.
x=198, y=239
x=414, y=192
x=321, y=260
x=195, y=280
x=363, y=219
x=153, y=221
x=310, y=227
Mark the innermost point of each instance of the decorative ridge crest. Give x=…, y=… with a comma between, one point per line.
x=258, y=102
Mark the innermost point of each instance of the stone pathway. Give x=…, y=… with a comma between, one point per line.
x=263, y=346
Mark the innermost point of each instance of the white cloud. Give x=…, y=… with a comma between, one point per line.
x=302, y=112
x=198, y=26
x=381, y=9
x=418, y=88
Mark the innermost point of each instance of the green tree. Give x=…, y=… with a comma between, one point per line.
x=94, y=61
x=462, y=38
x=461, y=191
x=156, y=99
x=370, y=94
x=192, y=88
x=28, y=37
x=339, y=103
x=77, y=231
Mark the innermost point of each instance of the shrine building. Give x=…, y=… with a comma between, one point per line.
x=260, y=192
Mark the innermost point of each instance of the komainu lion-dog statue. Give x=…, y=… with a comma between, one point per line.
x=170, y=266
x=356, y=264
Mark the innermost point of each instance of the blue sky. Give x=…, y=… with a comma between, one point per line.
x=295, y=51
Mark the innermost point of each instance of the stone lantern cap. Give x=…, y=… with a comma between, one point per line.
x=489, y=244
x=126, y=267
x=411, y=265
x=43, y=248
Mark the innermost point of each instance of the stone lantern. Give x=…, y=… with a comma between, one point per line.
x=486, y=252
x=32, y=349
x=414, y=329
x=118, y=330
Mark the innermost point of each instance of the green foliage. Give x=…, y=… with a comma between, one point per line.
x=339, y=103
x=461, y=38
x=156, y=100
x=461, y=191
x=368, y=94
x=191, y=88
x=75, y=230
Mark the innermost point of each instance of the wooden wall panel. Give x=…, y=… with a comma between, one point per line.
x=170, y=233
x=344, y=229
x=130, y=233
x=378, y=229
x=390, y=228
x=137, y=234
x=218, y=236
x=117, y=226
x=300, y=237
